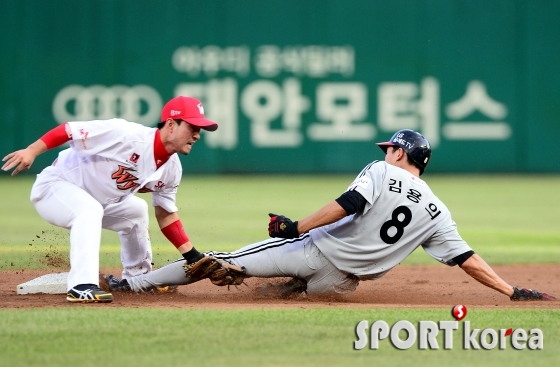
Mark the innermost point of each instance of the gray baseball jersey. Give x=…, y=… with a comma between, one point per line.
x=401, y=214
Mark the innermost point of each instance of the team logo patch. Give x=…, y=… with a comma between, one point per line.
x=134, y=158
x=363, y=182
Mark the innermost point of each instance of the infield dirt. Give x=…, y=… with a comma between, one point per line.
x=404, y=286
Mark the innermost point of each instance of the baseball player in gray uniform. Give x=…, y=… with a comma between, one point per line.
x=91, y=185
x=384, y=215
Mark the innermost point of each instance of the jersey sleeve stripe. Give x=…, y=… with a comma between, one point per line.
x=362, y=173
x=276, y=242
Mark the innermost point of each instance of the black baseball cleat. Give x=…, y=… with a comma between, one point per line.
x=88, y=293
x=117, y=285
x=525, y=294
x=122, y=285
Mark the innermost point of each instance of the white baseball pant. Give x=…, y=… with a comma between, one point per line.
x=66, y=205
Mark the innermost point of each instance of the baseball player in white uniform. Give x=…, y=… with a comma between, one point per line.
x=384, y=215
x=91, y=186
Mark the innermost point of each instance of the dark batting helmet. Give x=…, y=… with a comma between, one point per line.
x=414, y=144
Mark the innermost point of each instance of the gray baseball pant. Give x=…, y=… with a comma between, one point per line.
x=274, y=257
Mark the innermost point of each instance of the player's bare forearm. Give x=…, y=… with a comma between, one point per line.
x=164, y=219
x=328, y=214
x=477, y=268
x=185, y=248
x=24, y=158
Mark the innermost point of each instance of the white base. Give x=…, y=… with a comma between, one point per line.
x=50, y=283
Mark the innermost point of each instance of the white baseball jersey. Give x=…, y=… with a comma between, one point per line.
x=113, y=159
x=401, y=214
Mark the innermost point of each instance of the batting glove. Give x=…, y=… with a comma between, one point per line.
x=282, y=227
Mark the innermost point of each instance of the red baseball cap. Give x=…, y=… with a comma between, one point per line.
x=187, y=109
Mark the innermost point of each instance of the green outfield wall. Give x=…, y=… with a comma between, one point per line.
x=302, y=86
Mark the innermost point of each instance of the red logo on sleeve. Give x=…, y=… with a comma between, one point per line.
x=159, y=186
x=124, y=179
x=134, y=158
x=83, y=135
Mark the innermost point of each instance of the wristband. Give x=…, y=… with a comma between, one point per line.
x=175, y=233
x=192, y=256
x=57, y=136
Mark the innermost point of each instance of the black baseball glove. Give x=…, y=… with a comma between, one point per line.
x=282, y=227
x=525, y=294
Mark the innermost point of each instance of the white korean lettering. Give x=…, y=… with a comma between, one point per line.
x=220, y=99
x=263, y=102
x=345, y=105
x=476, y=99
x=313, y=61
x=267, y=61
x=212, y=59
x=405, y=105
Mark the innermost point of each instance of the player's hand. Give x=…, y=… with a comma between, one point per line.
x=282, y=227
x=21, y=160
